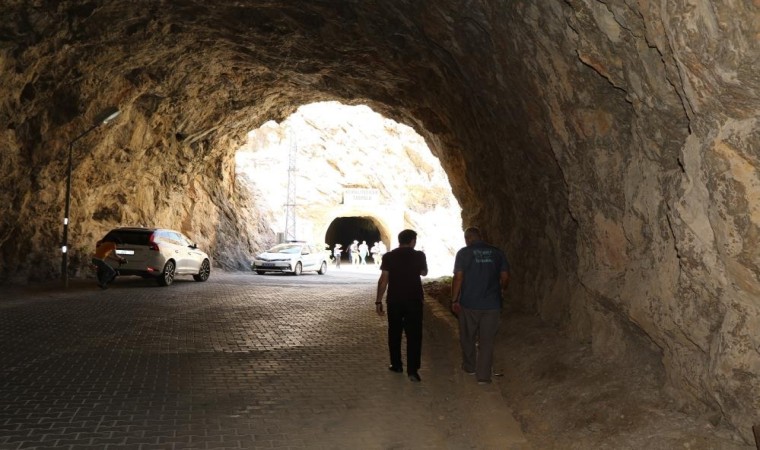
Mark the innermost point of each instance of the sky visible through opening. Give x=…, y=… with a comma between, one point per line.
x=352, y=162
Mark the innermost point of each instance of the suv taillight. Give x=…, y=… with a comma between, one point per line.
x=152, y=245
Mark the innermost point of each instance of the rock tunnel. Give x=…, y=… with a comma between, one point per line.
x=610, y=147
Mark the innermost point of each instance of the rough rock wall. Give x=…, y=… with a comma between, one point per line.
x=653, y=120
x=161, y=163
x=610, y=147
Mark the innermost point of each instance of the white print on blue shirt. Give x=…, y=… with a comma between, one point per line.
x=483, y=256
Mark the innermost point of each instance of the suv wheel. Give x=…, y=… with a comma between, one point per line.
x=167, y=276
x=204, y=272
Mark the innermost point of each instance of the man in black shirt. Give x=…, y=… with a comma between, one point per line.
x=401, y=271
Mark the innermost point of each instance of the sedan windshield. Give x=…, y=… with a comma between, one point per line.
x=286, y=248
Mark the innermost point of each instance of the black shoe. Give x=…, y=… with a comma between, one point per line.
x=415, y=377
x=397, y=369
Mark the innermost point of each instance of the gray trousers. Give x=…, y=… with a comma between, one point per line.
x=477, y=336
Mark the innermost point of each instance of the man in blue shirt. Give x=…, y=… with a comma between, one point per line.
x=481, y=272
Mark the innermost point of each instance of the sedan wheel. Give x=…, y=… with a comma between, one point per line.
x=167, y=276
x=299, y=268
x=322, y=268
x=204, y=272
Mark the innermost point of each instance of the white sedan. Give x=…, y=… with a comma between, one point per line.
x=291, y=257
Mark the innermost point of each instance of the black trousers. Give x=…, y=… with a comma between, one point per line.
x=405, y=317
x=106, y=273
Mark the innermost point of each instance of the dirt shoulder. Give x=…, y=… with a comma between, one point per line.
x=566, y=398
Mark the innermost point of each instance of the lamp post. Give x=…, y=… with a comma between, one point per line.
x=103, y=118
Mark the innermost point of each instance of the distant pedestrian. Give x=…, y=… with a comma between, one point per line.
x=354, y=252
x=375, y=252
x=381, y=250
x=363, y=250
x=401, y=272
x=481, y=272
x=336, y=254
x=104, y=251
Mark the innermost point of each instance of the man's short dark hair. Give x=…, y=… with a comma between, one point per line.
x=406, y=237
x=473, y=233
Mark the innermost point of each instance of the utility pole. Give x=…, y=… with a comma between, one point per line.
x=290, y=204
x=103, y=118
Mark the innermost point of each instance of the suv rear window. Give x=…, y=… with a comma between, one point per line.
x=130, y=237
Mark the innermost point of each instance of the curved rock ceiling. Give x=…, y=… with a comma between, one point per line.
x=610, y=147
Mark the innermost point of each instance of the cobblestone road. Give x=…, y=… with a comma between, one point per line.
x=241, y=361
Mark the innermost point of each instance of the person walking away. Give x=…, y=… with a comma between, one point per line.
x=336, y=253
x=363, y=250
x=354, y=251
x=105, y=250
x=481, y=273
x=400, y=274
x=382, y=250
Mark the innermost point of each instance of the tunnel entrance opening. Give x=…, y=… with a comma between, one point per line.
x=345, y=230
x=331, y=167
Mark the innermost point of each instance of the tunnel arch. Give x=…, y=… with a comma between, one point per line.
x=352, y=166
x=596, y=141
x=374, y=228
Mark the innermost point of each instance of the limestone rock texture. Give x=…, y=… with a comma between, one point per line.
x=610, y=147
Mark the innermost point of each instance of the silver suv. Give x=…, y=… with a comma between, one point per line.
x=158, y=253
x=293, y=257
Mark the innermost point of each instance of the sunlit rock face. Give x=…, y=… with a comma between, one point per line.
x=609, y=147
x=349, y=161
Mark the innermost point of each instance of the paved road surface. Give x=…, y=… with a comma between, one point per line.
x=241, y=361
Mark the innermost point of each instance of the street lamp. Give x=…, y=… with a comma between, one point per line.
x=103, y=118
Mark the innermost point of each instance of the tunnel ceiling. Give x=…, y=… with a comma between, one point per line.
x=609, y=146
